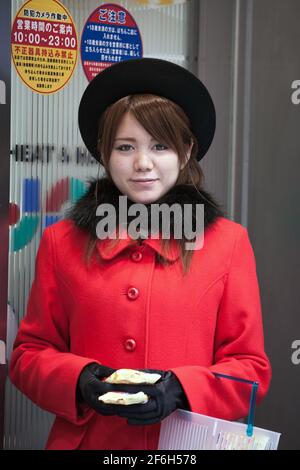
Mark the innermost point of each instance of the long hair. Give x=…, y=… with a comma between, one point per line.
x=167, y=123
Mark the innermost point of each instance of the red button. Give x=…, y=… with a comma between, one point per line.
x=132, y=293
x=136, y=256
x=130, y=344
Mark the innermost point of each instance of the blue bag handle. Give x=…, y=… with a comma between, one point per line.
x=249, y=430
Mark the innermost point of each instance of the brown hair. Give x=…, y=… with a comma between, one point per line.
x=168, y=124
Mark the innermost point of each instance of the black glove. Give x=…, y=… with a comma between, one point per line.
x=90, y=387
x=166, y=396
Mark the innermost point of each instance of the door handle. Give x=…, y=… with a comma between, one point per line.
x=2, y=352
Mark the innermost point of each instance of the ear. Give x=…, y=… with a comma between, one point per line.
x=188, y=155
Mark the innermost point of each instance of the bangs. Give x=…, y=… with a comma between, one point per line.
x=156, y=114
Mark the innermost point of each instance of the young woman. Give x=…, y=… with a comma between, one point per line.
x=146, y=302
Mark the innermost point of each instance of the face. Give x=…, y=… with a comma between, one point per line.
x=136, y=156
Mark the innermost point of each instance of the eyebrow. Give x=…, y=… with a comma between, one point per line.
x=130, y=139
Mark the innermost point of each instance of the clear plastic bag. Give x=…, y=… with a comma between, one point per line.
x=185, y=430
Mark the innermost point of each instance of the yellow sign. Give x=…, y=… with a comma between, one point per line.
x=44, y=45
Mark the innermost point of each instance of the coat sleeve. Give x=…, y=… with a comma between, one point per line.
x=238, y=346
x=41, y=365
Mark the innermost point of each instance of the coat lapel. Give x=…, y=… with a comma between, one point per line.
x=108, y=250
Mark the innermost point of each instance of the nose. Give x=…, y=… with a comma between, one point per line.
x=142, y=161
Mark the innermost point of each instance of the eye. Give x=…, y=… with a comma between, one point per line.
x=161, y=145
x=121, y=147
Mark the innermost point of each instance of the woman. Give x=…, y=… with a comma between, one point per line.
x=100, y=303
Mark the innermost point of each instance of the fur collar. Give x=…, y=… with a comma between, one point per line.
x=84, y=210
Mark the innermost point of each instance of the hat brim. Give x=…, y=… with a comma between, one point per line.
x=147, y=75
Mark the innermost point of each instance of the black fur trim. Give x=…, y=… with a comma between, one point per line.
x=83, y=212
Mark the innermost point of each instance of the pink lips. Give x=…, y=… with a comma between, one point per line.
x=144, y=183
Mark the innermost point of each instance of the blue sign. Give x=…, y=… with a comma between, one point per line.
x=110, y=35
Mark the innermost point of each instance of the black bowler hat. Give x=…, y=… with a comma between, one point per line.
x=147, y=75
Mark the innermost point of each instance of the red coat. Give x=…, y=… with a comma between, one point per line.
x=209, y=321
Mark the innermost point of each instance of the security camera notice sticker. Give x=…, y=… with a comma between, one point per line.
x=110, y=35
x=44, y=45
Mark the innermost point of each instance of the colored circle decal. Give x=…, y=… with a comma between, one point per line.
x=110, y=35
x=44, y=45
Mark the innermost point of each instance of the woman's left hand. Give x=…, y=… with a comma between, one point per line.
x=165, y=396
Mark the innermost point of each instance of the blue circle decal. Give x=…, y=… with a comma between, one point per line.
x=110, y=35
